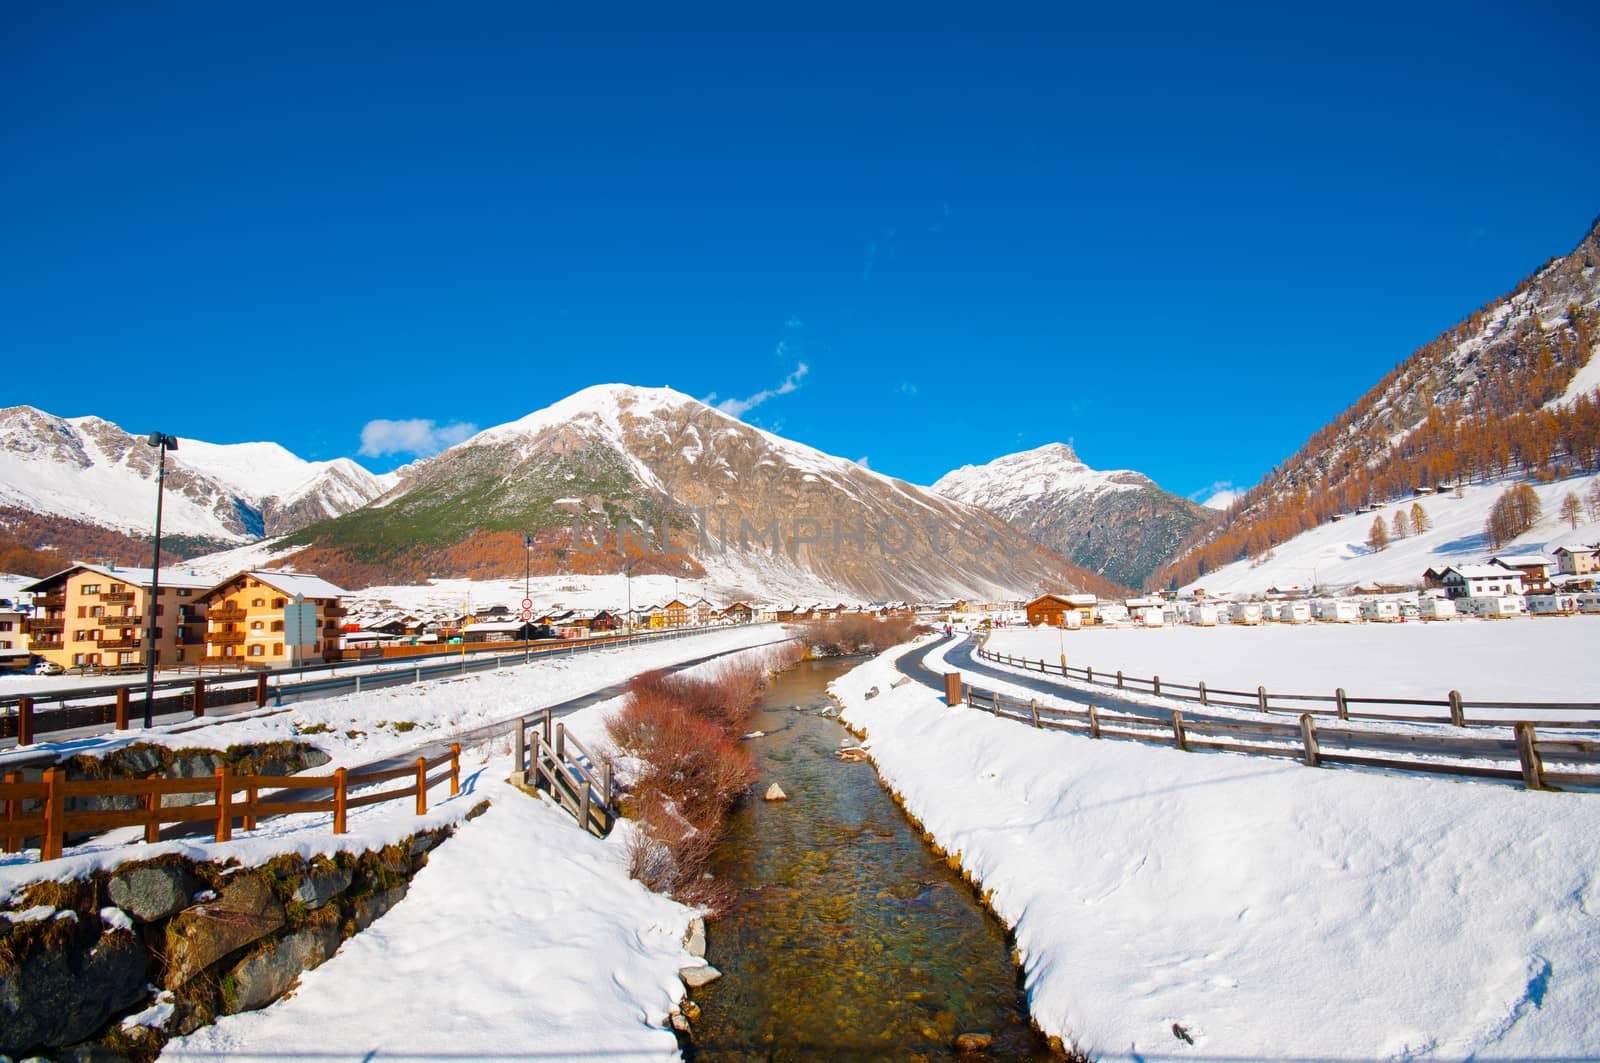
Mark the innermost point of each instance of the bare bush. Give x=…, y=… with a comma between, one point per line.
x=841, y=636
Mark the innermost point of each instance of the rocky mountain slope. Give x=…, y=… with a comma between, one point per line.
x=704, y=493
x=90, y=470
x=1508, y=392
x=1117, y=524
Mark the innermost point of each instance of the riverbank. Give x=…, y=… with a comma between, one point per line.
x=1174, y=905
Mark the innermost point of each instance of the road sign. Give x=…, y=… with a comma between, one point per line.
x=527, y=604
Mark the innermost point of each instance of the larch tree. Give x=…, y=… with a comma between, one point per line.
x=1591, y=499
x=1378, y=537
x=1419, y=517
x=1571, y=508
x=1401, y=525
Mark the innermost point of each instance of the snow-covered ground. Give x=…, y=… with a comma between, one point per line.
x=1268, y=910
x=1336, y=554
x=1526, y=659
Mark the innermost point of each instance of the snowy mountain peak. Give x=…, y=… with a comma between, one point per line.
x=1053, y=469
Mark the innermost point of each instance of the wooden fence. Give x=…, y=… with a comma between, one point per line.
x=51, y=821
x=581, y=784
x=1474, y=756
x=1451, y=709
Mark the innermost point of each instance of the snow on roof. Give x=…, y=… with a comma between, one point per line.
x=297, y=583
x=1480, y=571
x=1520, y=560
x=138, y=577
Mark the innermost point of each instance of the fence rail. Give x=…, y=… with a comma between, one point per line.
x=51, y=821
x=581, y=784
x=1540, y=763
x=27, y=717
x=1453, y=707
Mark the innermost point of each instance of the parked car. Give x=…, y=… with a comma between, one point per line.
x=48, y=668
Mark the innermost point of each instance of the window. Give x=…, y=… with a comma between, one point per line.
x=256, y=625
x=257, y=603
x=98, y=610
x=160, y=610
x=279, y=603
x=277, y=625
x=257, y=650
x=79, y=659
x=182, y=593
x=90, y=588
x=83, y=611
x=116, y=588
x=277, y=649
x=5, y=625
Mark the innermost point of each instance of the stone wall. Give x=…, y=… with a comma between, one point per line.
x=110, y=966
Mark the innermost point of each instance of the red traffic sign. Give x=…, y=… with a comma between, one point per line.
x=527, y=603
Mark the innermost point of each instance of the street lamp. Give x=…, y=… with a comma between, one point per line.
x=162, y=443
x=527, y=575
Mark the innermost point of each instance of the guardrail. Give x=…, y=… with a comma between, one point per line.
x=27, y=717
x=1455, y=708
x=51, y=821
x=1310, y=744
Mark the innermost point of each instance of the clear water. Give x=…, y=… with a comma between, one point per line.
x=850, y=939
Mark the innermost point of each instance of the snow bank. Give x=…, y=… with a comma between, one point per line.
x=1487, y=660
x=522, y=936
x=1270, y=910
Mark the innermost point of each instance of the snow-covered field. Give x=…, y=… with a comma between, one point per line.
x=1337, y=555
x=1544, y=659
x=1268, y=910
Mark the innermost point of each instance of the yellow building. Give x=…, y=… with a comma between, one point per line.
x=249, y=616
x=95, y=616
x=675, y=613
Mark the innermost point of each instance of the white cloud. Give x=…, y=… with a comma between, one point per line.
x=416, y=436
x=738, y=407
x=1219, y=495
x=863, y=462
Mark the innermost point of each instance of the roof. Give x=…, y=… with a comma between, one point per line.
x=292, y=583
x=139, y=577
x=1520, y=560
x=1480, y=571
x=1577, y=549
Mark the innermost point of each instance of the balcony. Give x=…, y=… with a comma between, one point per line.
x=223, y=615
x=117, y=597
x=226, y=638
x=45, y=627
x=118, y=644
x=50, y=601
x=36, y=645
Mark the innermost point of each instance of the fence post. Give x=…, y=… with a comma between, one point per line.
x=199, y=697
x=1179, y=739
x=24, y=721
x=261, y=691
x=1088, y=674
x=252, y=794
x=547, y=732
x=1339, y=703
x=1202, y=692
x=455, y=768
x=1528, y=753
x=952, y=688
x=1119, y=678
x=422, y=786
x=1261, y=698
x=519, y=750
x=122, y=708
x=1033, y=707
x=341, y=800
x=13, y=808
x=561, y=742
x=55, y=808
x=417, y=675
x=1155, y=685
x=152, y=823
x=585, y=803
x=1458, y=715
x=358, y=683
x=224, y=799
x=1308, y=738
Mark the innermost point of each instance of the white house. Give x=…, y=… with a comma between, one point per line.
x=1578, y=560
x=1481, y=581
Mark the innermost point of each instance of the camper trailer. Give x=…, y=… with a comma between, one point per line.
x=1294, y=612
x=1432, y=608
x=1248, y=613
x=1380, y=609
x=1337, y=611
x=1202, y=614
x=1552, y=604
x=1493, y=606
x=1589, y=602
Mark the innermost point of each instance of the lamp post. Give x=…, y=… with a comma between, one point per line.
x=527, y=574
x=162, y=443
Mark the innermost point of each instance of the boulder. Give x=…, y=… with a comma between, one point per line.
x=694, y=939
x=266, y=974
x=246, y=911
x=974, y=1042
x=775, y=793
x=366, y=910
x=323, y=882
x=701, y=974
x=149, y=892
x=62, y=996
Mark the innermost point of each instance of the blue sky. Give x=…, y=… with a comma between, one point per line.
x=1182, y=240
